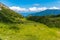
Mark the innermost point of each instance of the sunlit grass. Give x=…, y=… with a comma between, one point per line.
x=28, y=31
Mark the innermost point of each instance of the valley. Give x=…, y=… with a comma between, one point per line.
x=13, y=26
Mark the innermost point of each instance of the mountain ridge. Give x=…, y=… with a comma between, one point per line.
x=47, y=12
x=7, y=14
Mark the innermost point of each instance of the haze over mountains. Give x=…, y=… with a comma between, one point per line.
x=47, y=12
x=42, y=13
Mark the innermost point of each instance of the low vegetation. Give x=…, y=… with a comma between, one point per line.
x=15, y=27
x=28, y=31
x=50, y=21
x=8, y=15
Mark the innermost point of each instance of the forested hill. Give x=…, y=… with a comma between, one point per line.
x=7, y=14
x=47, y=12
x=49, y=20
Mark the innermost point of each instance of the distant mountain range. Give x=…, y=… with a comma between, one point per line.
x=47, y=12
x=49, y=17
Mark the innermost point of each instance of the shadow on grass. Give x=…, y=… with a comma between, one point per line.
x=31, y=37
x=14, y=27
x=0, y=39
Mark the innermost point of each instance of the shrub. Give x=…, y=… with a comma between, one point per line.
x=14, y=27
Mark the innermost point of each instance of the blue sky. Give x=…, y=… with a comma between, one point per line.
x=31, y=4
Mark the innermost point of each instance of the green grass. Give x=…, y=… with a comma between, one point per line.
x=50, y=21
x=28, y=31
x=15, y=27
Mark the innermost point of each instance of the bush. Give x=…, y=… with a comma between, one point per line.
x=50, y=21
x=14, y=27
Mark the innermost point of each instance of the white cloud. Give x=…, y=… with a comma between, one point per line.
x=31, y=9
x=15, y=8
x=35, y=9
x=36, y=4
x=42, y=8
x=54, y=8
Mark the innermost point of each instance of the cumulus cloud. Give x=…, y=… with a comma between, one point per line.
x=15, y=8
x=31, y=9
x=54, y=8
x=35, y=9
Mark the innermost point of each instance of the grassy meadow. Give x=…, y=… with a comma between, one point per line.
x=28, y=31
x=14, y=26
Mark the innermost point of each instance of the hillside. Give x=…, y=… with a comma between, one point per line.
x=49, y=17
x=14, y=26
x=28, y=31
x=49, y=20
x=7, y=14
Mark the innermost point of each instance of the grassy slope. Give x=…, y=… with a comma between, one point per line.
x=24, y=31
x=28, y=31
x=51, y=21
x=7, y=15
